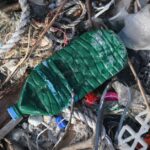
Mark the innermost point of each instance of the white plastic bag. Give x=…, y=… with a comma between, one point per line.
x=136, y=33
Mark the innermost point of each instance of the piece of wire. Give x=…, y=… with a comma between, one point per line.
x=44, y=130
x=99, y=123
x=37, y=138
x=104, y=9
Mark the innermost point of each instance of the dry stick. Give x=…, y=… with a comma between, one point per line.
x=60, y=141
x=139, y=84
x=89, y=11
x=38, y=40
x=10, y=147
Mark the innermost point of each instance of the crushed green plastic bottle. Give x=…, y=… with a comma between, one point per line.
x=82, y=66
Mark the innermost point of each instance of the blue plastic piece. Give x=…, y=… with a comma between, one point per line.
x=61, y=122
x=12, y=113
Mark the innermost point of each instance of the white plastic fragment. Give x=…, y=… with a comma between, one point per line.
x=136, y=33
x=123, y=139
x=137, y=105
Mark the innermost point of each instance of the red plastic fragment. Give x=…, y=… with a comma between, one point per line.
x=91, y=98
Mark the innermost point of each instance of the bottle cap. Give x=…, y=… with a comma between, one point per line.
x=13, y=113
x=61, y=122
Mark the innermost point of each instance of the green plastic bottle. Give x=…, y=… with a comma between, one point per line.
x=82, y=66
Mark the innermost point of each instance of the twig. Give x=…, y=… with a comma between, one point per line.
x=89, y=11
x=10, y=147
x=60, y=141
x=38, y=41
x=139, y=84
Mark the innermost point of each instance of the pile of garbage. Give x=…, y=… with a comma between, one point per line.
x=74, y=74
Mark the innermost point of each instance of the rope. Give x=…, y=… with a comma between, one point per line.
x=88, y=117
x=24, y=19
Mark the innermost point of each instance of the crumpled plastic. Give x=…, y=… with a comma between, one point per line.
x=137, y=104
x=82, y=66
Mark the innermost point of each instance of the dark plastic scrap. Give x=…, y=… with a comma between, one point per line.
x=82, y=66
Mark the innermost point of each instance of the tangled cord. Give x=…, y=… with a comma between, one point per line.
x=103, y=9
x=67, y=24
x=67, y=36
x=24, y=19
x=89, y=119
x=79, y=19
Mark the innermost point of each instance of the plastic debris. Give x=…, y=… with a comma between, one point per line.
x=59, y=74
x=91, y=99
x=55, y=74
x=111, y=96
x=61, y=122
x=140, y=22
x=137, y=100
x=132, y=135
